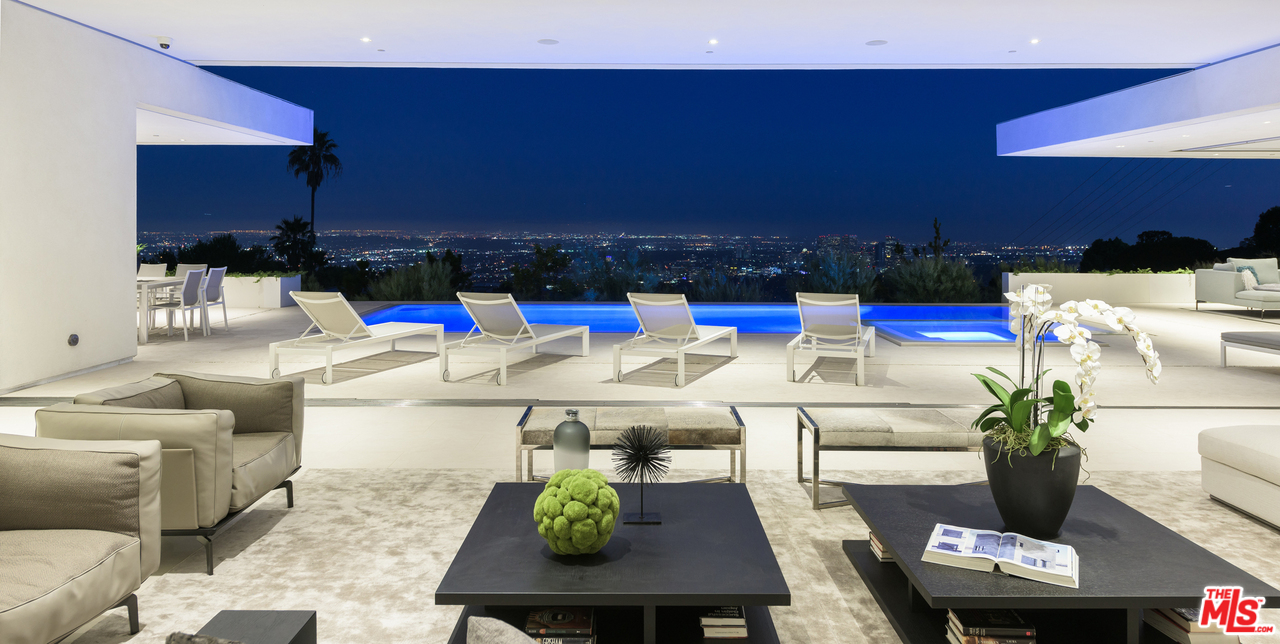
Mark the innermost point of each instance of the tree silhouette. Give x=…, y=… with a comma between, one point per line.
x=318, y=162
x=295, y=241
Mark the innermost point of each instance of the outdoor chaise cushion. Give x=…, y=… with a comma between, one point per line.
x=923, y=428
x=685, y=426
x=1261, y=339
x=1252, y=449
x=1259, y=296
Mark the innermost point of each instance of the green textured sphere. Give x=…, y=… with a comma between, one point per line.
x=576, y=512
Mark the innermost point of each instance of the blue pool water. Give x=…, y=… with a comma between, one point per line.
x=911, y=322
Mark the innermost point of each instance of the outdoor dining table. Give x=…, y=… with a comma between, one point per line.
x=146, y=285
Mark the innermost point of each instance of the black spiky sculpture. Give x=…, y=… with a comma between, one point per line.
x=642, y=456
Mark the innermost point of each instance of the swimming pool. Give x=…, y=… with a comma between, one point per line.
x=899, y=323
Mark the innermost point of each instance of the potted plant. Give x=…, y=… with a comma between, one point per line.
x=1032, y=461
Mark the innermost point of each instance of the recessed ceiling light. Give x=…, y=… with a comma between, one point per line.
x=1013, y=51
x=182, y=139
x=366, y=40
x=1265, y=122
x=713, y=41
x=1035, y=41
x=548, y=41
x=381, y=50
x=877, y=43
x=710, y=52
x=155, y=135
x=1119, y=146
x=1186, y=136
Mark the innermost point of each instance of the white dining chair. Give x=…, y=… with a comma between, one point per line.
x=190, y=299
x=212, y=295
x=151, y=271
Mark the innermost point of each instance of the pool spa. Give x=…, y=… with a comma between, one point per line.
x=904, y=324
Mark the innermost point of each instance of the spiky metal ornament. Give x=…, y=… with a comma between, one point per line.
x=642, y=455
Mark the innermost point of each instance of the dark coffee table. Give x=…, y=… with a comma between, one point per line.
x=1128, y=562
x=263, y=626
x=709, y=551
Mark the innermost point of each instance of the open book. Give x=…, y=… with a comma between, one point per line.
x=1007, y=553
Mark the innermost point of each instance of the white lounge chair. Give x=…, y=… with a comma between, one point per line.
x=339, y=327
x=831, y=325
x=188, y=302
x=500, y=328
x=213, y=296
x=667, y=329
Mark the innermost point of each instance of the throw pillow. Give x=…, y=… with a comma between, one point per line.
x=487, y=630
x=1250, y=277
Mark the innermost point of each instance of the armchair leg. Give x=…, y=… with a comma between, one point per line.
x=208, y=554
x=131, y=602
x=288, y=490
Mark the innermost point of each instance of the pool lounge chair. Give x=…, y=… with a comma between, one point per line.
x=1260, y=341
x=339, y=327
x=500, y=328
x=831, y=325
x=667, y=329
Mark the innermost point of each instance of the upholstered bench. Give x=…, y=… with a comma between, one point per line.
x=849, y=429
x=1240, y=468
x=688, y=428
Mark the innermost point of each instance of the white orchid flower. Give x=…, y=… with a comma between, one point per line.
x=1153, y=372
x=1086, y=352
x=1144, y=346
x=1118, y=318
x=1070, y=306
x=1072, y=334
x=1061, y=317
x=1095, y=308
x=1087, y=405
x=1084, y=378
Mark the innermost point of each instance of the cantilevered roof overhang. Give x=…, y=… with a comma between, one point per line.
x=1226, y=110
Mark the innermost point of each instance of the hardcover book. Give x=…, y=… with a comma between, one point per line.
x=1008, y=553
x=724, y=632
x=989, y=623
x=954, y=637
x=723, y=616
x=560, y=621
x=1177, y=632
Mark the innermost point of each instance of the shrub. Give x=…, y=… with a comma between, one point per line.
x=714, y=286
x=931, y=280
x=609, y=280
x=428, y=281
x=576, y=512
x=841, y=272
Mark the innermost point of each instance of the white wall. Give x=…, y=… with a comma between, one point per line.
x=1112, y=289
x=68, y=182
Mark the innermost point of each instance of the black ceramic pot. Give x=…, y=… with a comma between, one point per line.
x=1034, y=494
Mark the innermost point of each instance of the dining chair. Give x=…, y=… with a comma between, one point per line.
x=190, y=300
x=213, y=296
x=151, y=271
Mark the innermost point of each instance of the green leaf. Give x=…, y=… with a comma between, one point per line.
x=989, y=424
x=1001, y=374
x=1058, y=423
x=1039, y=439
x=994, y=387
x=1037, y=378
x=1020, y=419
x=1083, y=424
x=986, y=412
x=1063, y=400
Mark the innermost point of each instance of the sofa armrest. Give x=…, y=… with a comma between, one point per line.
x=1218, y=286
x=259, y=404
x=201, y=490
x=112, y=486
x=154, y=393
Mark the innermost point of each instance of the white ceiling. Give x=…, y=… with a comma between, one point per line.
x=675, y=33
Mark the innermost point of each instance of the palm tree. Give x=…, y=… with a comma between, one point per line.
x=318, y=162
x=294, y=241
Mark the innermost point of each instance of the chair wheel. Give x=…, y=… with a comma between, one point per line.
x=445, y=376
x=618, y=376
x=501, y=380
x=324, y=378
x=275, y=373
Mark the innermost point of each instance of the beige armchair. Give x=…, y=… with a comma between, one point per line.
x=227, y=441
x=79, y=532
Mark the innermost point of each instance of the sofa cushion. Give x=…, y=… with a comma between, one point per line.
x=1263, y=339
x=1252, y=449
x=261, y=461
x=153, y=393
x=923, y=428
x=1267, y=269
x=54, y=581
x=259, y=405
x=702, y=426
x=1259, y=296
x=684, y=425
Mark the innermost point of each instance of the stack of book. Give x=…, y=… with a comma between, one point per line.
x=982, y=626
x=562, y=625
x=878, y=549
x=1183, y=625
x=724, y=623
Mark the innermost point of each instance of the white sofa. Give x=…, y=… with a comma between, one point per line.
x=1240, y=466
x=1222, y=286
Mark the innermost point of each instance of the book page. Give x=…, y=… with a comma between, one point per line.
x=1052, y=558
x=963, y=542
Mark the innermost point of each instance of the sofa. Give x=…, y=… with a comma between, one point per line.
x=79, y=532
x=1240, y=467
x=227, y=441
x=1224, y=285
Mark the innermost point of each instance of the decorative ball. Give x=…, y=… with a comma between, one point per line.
x=576, y=512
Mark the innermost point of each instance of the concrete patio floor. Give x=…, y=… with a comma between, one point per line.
x=390, y=409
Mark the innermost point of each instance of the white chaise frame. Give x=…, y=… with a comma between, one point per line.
x=339, y=334
x=502, y=336
x=815, y=337
x=688, y=334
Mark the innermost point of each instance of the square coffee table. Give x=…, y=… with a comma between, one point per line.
x=1128, y=562
x=646, y=583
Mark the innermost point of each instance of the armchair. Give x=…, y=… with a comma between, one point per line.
x=227, y=441
x=79, y=532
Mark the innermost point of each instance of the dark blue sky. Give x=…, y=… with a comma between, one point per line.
x=758, y=152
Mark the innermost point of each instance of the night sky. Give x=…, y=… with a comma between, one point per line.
x=866, y=152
